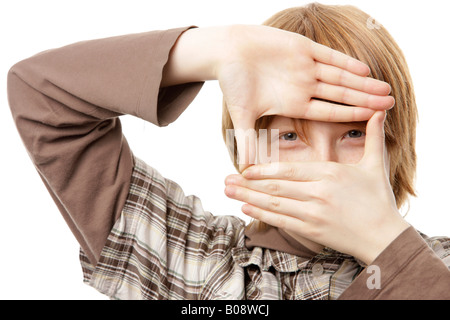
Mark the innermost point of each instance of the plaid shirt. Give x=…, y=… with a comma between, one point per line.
x=144, y=237
x=165, y=246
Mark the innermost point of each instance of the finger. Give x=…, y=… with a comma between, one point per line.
x=352, y=97
x=294, y=171
x=298, y=190
x=338, y=59
x=292, y=207
x=374, y=149
x=245, y=136
x=337, y=76
x=281, y=221
x=328, y=111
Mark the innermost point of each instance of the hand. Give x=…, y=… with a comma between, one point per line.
x=350, y=208
x=266, y=71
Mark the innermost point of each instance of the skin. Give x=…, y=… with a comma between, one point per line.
x=332, y=191
x=323, y=202
x=326, y=141
x=258, y=79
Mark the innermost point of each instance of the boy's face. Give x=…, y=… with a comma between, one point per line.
x=322, y=141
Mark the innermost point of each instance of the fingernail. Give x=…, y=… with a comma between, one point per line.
x=392, y=103
x=230, y=180
x=248, y=173
x=230, y=191
x=246, y=209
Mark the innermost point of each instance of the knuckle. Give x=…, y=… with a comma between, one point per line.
x=315, y=227
x=345, y=97
x=273, y=187
x=314, y=233
x=331, y=171
x=310, y=214
x=274, y=203
x=318, y=70
x=323, y=192
x=280, y=221
x=341, y=76
x=315, y=190
x=332, y=57
x=314, y=214
x=290, y=172
x=318, y=90
x=332, y=113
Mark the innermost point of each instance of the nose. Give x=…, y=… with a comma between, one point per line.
x=324, y=151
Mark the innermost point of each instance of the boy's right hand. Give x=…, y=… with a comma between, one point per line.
x=267, y=71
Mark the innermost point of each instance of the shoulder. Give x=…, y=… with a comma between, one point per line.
x=439, y=244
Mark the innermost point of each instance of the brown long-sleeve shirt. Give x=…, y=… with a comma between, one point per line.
x=66, y=104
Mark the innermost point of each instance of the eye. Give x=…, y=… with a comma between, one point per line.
x=354, y=134
x=290, y=136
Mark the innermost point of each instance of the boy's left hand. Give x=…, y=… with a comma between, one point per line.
x=350, y=208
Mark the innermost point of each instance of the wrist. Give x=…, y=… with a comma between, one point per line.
x=383, y=238
x=195, y=56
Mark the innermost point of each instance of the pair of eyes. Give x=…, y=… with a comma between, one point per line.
x=352, y=134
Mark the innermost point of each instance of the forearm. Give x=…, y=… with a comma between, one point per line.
x=407, y=269
x=65, y=103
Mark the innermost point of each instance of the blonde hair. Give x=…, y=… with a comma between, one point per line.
x=349, y=30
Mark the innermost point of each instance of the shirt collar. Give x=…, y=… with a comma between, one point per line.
x=271, y=248
x=273, y=238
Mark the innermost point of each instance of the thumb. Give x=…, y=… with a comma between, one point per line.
x=245, y=135
x=374, y=149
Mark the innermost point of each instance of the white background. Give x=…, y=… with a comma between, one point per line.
x=39, y=255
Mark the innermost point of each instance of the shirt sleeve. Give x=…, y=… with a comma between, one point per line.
x=166, y=246
x=412, y=267
x=66, y=103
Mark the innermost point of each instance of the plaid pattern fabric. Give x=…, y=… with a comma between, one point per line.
x=165, y=246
